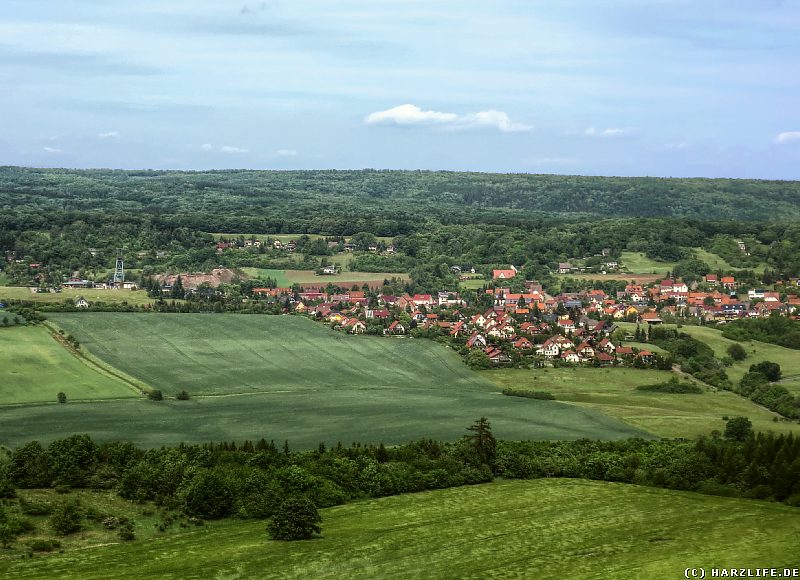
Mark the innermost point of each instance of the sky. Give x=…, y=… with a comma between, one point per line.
x=600, y=87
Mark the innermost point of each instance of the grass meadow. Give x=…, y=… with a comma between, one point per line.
x=638, y=263
x=285, y=278
x=72, y=294
x=547, y=528
x=613, y=392
x=34, y=368
x=282, y=378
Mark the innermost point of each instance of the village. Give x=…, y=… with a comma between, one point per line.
x=571, y=328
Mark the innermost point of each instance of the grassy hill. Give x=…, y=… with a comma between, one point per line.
x=544, y=529
x=757, y=352
x=283, y=378
x=613, y=392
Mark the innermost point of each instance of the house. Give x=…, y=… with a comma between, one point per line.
x=396, y=327
x=329, y=270
x=381, y=314
x=567, y=325
x=496, y=355
x=570, y=356
x=728, y=282
x=650, y=318
x=564, y=267
x=625, y=351
x=504, y=274
x=646, y=356
x=712, y=280
x=605, y=358
x=354, y=326
x=523, y=343
x=423, y=300
x=476, y=340
x=390, y=249
x=291, y=246
x=81, y=303
x=277, y=244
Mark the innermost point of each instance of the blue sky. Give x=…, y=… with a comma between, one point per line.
x=608, y=87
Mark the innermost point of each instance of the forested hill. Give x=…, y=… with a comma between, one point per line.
x=392, y=192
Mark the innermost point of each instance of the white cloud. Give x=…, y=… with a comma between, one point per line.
x=609, y=132
x=787, y=137
x=492, y=118
x=51, y=149
x=109, y=135
x=411, y=115
x=676, y=146
x=230, y=149
x=286, y=152
x=206, y=146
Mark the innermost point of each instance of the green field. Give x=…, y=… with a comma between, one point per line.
x=286, y=377
x=788, y=358
x=34, y=368
x=72, y=294
x=638, y=263
x=285, y=278
x=613, y=392
x=547, y=528
x=717, y=262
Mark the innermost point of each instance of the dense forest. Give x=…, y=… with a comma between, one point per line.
x=163, y=220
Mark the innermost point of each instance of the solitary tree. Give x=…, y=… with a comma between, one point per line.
x=62, y=398
x=739, y=429
x=483, y=442
x=295, y=519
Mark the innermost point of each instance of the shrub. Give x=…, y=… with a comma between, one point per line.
x=155, y=395
x=672, y=386
x=182, y=396
x=40, y=545
x=737, y=352
x=542, y=395
x=66, y=518
x=62, y=398
x=295, y=519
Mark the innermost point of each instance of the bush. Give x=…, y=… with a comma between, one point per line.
x=62, y=398
x=769, y=369
x=44, y=545
x=66, y=518
x=295, y=519
x=737, y=352
x=155, y=395
x=541, y=395
x=672, y=386
x=182, y=396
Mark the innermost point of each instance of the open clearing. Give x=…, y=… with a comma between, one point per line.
x=633, y=278
x=613, y=392
x=72, y=294
x=34, y=368
x=285, y=278
x=547, y=528
x=638, y=263
x=286, y=377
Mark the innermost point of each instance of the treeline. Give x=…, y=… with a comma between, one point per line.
x=251, y=479
x=776, y=329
